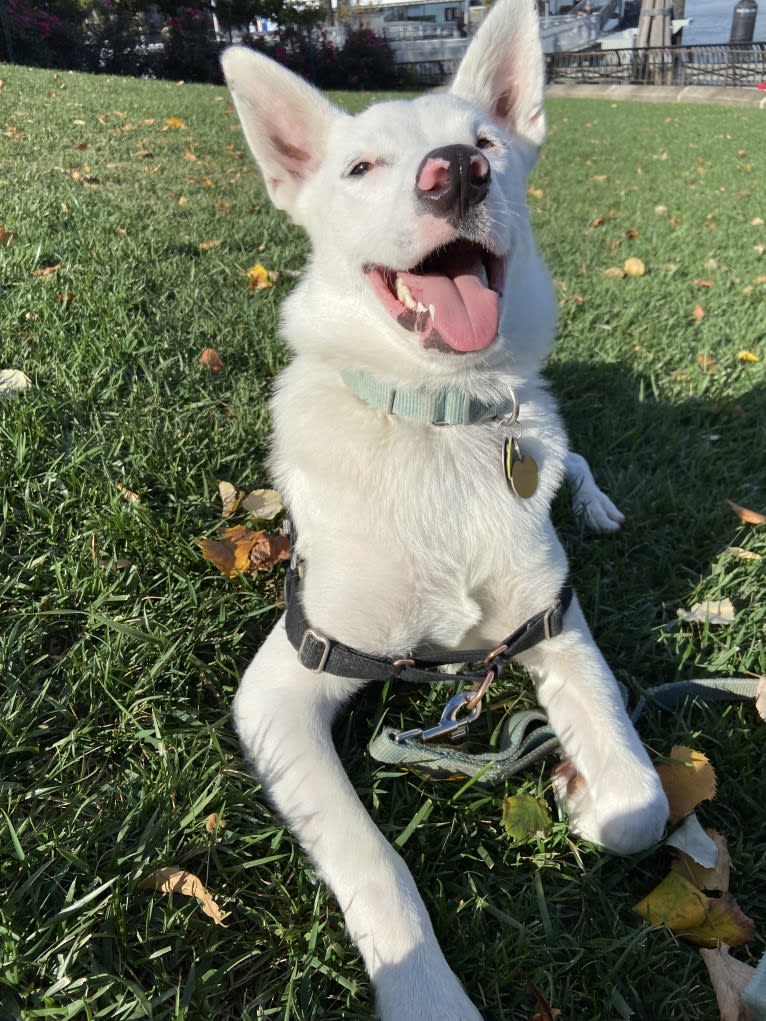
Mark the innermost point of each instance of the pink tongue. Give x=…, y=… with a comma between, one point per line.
x=467, y=314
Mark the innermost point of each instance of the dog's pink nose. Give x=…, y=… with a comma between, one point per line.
x=452, y=179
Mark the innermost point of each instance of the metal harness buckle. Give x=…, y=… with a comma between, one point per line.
x=323, y=640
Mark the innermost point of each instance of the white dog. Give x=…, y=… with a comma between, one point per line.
x=418, y=450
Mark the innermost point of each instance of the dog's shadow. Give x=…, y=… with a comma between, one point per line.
x=670, y=466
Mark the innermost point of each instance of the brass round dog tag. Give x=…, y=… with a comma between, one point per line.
x=521, y=470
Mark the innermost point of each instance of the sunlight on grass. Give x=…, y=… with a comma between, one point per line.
x=131, y=216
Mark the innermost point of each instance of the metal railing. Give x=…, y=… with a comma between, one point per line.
x=742, y=64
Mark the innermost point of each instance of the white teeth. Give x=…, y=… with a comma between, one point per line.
x=421, y=307
x=405, y=296
x=432, y=313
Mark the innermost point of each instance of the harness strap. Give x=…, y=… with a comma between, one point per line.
x=322, y=654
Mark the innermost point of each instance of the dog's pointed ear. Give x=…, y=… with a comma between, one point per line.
x=285, y=121
x=503, y=69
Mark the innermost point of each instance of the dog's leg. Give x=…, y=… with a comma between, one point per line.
x=612, y=794
x=597, y=509
x=283, y=714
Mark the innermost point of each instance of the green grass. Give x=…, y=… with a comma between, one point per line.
x=120, y=647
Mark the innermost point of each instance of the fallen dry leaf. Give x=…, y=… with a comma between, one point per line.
x=544, y=1010
x=240, y=550
x=714, y=878
x=698, y=314
x=13, y=381
x=231, y=498
x=614, y=273
x=212, y=360
x=710, y=612
x=7, y=237
x=177, y=880
x=692, y=842
x=685, y=910
x=760, y=698
x=750, y=517
x=704, y=283
x=206, y=246
x=259, y=278
x=214, y=823
x=127, y=494
x=728, y=977
x=747, y=356
x=707, y=363
x=634, y=267
x=174, y=122
x=687, y=780
x=47, y=271
x=743, y=554
x=263, y=504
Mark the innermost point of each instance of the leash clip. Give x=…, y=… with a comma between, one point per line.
x=451, y=724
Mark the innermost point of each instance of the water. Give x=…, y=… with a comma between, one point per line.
x=711, y=21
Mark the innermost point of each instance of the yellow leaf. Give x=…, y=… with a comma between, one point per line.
x=240, y=550
x=685, y=910
x=614, y=273
x=634, y=267
x=675, y=902
x=174, y=122
x=259, y=278
x=747, y=356
x=176, y=880
x=127, y=494
x=687, y=780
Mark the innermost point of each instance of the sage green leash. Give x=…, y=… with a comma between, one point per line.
x=526, y=738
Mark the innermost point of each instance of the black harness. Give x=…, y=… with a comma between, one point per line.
x=322, y=654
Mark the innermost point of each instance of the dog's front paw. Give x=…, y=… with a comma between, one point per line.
x=415, y=989
x=624, y=818
x=588, y=501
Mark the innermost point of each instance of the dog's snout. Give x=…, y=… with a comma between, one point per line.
x=452, y=179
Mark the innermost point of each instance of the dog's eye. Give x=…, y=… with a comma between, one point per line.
x=484, y=143
x=360, y=169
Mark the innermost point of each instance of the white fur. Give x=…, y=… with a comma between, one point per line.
x=408, y=531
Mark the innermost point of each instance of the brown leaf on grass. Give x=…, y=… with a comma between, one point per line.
x=240, y=550
x=743, y=554
x=206, y=246
x=47, y=271
x=698, y=314
x=728, y=977
x=212, y=360
x=685, y=910
x=687, y=780
x=127, y=494
x=544, y=1010
x=704, y=283
x=176, y=880
x=174, y=122
x=750, y=517
x=7, y=237
x=231, y=497
x=715, y=878
x=707, y=363
x=260, y=279
x=214, y=823
x=760, y=698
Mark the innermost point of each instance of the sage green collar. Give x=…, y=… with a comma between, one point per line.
x=446, y=407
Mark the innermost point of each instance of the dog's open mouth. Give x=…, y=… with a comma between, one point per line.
x=451, y=299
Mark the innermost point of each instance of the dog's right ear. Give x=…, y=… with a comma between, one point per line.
x=285, y=121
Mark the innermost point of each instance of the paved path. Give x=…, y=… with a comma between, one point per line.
x=718, y=95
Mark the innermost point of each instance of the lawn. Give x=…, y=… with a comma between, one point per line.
x=130, y=215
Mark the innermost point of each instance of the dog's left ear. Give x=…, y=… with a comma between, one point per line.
x=285, y=121
x=503, y=69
